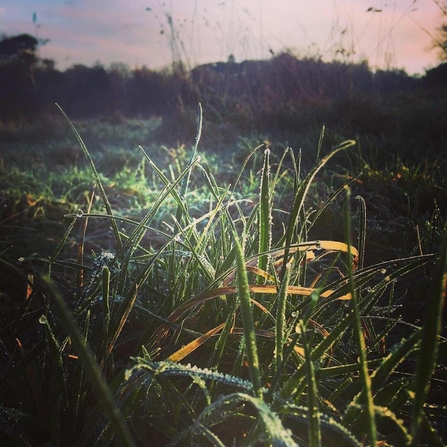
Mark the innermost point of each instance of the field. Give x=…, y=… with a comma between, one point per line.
x=177, y=281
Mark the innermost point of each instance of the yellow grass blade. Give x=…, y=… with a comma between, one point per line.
x=322, y=248
x=193, y=345
x=221, y=291
x=268, y=334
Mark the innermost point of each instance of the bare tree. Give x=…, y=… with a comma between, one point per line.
x=440, y=41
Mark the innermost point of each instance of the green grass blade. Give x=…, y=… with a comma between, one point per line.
x=265, y=215
x=96, y=176
x=185, y=183
x=313, y=410
x=280, y=329
x=333, y=196
x=430, y=338
x=106, y=311
x=360, y=341
x=91, y=367
x=362, y=232
x=320, y=143
x=244, y=164
x=247, y=318
x=61, y=243
x=298, y=203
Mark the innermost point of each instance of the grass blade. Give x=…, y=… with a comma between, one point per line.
x=365, y=378
x=91, y=367
x=312, y=393
x=193, y=345
x=298, y=203
x=265, y=216
x=247, y=318
x=280, y=329
x=430, y=338
x=96, y=176
x=185, y=183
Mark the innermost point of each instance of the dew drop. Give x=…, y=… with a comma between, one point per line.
x=21, y=259
x=196, y=430
x=382, y=271
x=80, y=213
x=43, y=320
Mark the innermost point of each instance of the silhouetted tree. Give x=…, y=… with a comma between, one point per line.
x=17, y=83
x=440, y=41
x=88, y=91
x=147, y=92
x=436, y=77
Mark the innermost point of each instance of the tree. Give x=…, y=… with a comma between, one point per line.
x=17, y=84
x=21, y=48
x=440, y=42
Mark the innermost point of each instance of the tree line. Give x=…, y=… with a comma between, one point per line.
x=255, y=92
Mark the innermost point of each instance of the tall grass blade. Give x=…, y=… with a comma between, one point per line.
x=313, y=410
x=333, y=196
x=430, y=338
x=280, y=325
x=320, y=143
x=61, y=243
x=96, y=176
x=91, y=367
x=362, y=232
x=265, y=216
x=247, y=318
x=186, y=179
x=106, y=311
x=360, y=341
x=298, y=203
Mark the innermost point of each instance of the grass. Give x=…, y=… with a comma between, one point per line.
x=195, y=311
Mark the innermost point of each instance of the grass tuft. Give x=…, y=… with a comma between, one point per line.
x=212, y=316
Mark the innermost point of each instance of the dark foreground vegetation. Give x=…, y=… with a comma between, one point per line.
x=280, y=283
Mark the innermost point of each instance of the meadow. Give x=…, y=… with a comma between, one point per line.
x=188, y=279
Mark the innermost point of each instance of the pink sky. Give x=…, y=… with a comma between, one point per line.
x=137, y=32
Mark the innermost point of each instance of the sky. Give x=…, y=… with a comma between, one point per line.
x=154, y=33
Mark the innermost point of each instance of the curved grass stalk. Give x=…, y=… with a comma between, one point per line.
x=185, y=183
x=360, y=341
x=298, y=203
x=95, y=175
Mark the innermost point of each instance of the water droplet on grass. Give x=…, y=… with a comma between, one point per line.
x=80, y=213
x=196, y=430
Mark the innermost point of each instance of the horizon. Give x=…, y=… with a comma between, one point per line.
x=155, y=34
